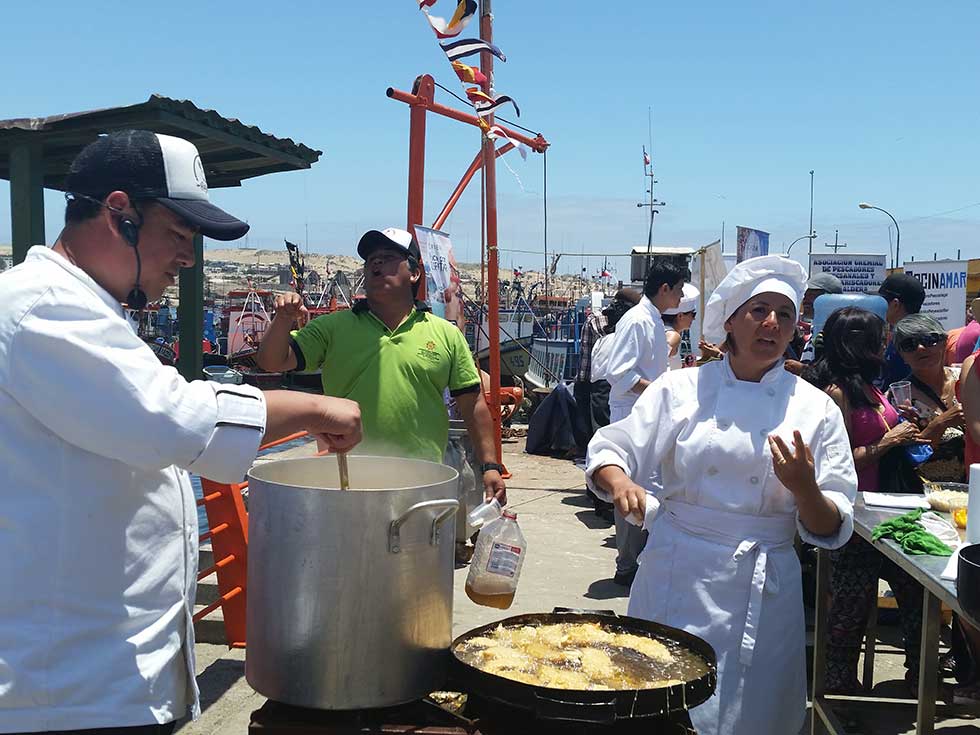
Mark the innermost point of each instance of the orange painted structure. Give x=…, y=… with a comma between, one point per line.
x=421, y=100
x=228, y=534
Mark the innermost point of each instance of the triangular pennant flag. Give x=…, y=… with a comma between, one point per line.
x=497, y=132
x=465, y=11
x=476, y=95
x=468, y=74
x=468, y=46
x=485, y=107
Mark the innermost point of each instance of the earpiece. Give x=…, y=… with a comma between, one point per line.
x=130, y=231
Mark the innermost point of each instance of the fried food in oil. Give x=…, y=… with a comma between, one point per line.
x=647, y=646
x=579, y=656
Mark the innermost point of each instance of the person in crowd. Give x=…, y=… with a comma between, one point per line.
x=964, y=341
x=921, y=341
x=904, y=295
x=98, y=524
x=591, y=396
x=637, y=357
x=393, y=357
x=748, y=455
x=966, y=638
x=624, y=300
x=853, y=343
x=818, y=285
x=678, y=320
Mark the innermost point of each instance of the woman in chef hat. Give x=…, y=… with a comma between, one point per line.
x=677, y=320
x=748, y=455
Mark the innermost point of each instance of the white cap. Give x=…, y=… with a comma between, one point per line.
x=766, y=274
x=689, y=301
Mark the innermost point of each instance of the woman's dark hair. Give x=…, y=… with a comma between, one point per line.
x=851, y=359
x=624, y=300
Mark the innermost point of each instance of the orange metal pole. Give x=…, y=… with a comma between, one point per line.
x=490, y=172
x=537, y=144
x=425, y=90
x=463, y=183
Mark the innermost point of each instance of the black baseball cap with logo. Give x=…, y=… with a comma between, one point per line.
x=149, y=165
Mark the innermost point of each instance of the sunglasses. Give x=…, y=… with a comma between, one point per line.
x=910, y=344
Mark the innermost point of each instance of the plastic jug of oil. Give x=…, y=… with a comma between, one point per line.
x=496, y=564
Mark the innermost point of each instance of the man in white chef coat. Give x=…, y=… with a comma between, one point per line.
x=98, y=522
x=638, y=356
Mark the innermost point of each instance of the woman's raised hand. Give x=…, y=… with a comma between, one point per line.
x=794, y=468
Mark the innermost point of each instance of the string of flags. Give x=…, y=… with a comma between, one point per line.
x=485, y=104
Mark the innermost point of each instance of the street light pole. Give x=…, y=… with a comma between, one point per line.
x=812, y=234
x=898, y=232
x=803, y=237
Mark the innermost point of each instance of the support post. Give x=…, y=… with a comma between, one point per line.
x=490, y=172
x=190, y=325
x=425, y=91
x=26, y=198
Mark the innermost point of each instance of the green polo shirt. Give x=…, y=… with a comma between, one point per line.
x=398, y=377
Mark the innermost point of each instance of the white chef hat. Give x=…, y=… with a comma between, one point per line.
x=689, y=301
x=768, y=273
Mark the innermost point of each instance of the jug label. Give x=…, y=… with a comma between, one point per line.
x=504, y=559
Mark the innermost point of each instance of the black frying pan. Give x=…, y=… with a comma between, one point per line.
x=587, y=706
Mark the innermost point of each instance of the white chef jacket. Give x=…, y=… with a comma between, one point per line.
x=639, y=351
x=720, y=561
x=98, y=523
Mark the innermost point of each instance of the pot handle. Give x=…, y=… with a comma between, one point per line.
x=394, y=530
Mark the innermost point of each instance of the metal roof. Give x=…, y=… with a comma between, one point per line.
x=664, y=250
x=230, y=150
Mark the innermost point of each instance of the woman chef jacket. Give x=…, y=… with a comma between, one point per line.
x=720, y=562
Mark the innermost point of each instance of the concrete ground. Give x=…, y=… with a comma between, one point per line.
x=570, y=562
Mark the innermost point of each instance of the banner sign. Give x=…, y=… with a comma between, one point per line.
x=751, y=243
x=859, y=272
x=443, y=287
x=945, y=285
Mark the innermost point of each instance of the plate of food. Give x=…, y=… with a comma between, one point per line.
x=946, y=496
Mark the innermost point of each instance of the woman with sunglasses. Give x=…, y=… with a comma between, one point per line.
x=852, y=358
x=676, y=321
x=921, y=341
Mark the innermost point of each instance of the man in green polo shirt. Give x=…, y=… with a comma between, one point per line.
x=393, y=357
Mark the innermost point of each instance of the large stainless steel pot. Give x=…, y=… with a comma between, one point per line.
x=350, y=593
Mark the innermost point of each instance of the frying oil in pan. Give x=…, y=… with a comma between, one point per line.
x=581, y=656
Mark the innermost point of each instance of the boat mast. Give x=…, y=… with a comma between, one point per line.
x=490, y=174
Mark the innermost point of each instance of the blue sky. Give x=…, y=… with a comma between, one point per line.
x=880, y=99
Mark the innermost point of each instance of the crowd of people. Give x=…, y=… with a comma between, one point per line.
x=712, y=472
x=715, y=472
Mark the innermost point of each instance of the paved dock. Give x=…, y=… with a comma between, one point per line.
x=570, y=563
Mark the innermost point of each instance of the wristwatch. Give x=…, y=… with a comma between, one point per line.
x=487, y=466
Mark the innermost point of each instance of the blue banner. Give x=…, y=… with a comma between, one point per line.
x=751, y=243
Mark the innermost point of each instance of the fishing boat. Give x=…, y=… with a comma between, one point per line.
x=555, y=355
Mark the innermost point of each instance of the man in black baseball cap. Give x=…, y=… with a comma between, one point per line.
x=97, y=440
x=139, y=198
x=904, y=295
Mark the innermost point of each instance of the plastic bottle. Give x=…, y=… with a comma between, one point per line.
x=496, y=564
